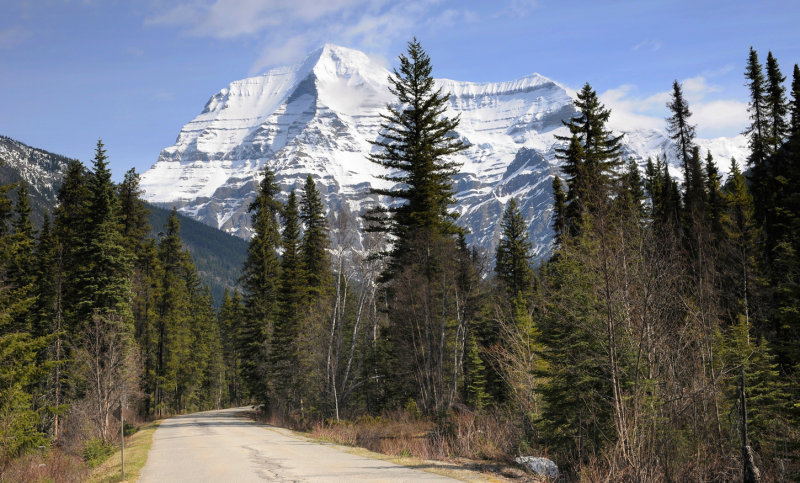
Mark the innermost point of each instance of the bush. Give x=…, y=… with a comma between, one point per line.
x=129, y=429
x=96, y=452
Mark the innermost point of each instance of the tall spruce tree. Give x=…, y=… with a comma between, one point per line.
x=794, y=105
x=230, y=318
x=314, y=246
x=590, y=157
x=260, y=281
x=283, y=358
x=680, y=131
x=741, y=233
x=775, y=103
x=416, y=140
x=758, y=133
x=71, y=217
x=20, y=271
x=514, y=254
x=630, y=196
x=133, y=212
x=414, y=146
x=104, y=281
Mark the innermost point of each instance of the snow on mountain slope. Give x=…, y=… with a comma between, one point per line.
x=41, y=170
x=319, y=118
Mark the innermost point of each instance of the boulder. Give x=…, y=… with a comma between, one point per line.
x=538, y=465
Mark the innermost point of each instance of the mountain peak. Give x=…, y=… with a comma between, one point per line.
x=334, y=62
x=320, y=117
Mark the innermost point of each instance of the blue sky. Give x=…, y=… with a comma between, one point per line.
x=133, y=72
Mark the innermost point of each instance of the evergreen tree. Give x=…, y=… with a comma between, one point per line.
x=18, y=350
x=653, y=185
x=21, y=262
x=758, y=133
x=414, y=145
x=283, y=359
x=775, y=103
x=590, y=157
x=314, y=247
x=695, y=191
x=669, y=211
x=630, y=198
x=6, y=208
x=230, y=318
x=680, y=131
x=145, y=307
x=794, y=105
x=260, y=280
x=713, y=191
x=741, y=232
x=108, y=283
x=513, y=257
x=70, y=229
x=578, y=185
x=475, y=377
x=172, y=328
x=559, y=211
x=740, y=352
x=575, y=420
x=133, y=212
x=416, y=140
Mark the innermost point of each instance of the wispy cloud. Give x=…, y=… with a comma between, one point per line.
x=713, y=117
x=11, y=37
x=287, y=30
x=649, y=45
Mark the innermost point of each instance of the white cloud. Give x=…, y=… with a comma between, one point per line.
x=650, y=45
x=286, y=53
x=452, y=17
x=713, y=117
x=234, y=18
x=722, y=116
x=287, y=30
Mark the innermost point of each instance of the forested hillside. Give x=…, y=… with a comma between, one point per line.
x=217, y=255
x=660, y=342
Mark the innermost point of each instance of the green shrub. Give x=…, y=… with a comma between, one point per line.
x=129, y=429
x=96, y=451
x=412, y=409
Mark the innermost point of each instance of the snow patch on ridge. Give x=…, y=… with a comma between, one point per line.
x=320, y=116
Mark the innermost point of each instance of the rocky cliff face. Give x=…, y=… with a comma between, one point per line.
x=319, y=118
x=41, y=170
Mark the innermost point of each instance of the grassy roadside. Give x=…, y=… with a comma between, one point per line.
x=137, y=446
x=463, y=469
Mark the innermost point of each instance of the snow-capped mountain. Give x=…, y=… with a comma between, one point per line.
x=42, y=171
x=319, y=117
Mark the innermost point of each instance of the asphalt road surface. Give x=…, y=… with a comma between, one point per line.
x=225, y=446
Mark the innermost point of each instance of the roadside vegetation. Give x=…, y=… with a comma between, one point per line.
x=659, y=341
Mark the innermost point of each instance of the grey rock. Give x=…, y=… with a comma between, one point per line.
x=538, y=465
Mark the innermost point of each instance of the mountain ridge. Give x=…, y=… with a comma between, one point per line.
x=319, y=117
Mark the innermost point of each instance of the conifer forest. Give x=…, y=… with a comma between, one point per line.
x=659, y=341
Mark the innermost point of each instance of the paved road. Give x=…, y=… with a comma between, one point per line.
x=224, y=446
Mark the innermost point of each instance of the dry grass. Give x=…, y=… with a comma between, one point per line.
x=54, y=465
x=137, y=447
x=463, y=435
